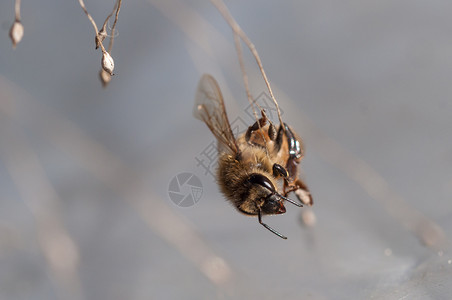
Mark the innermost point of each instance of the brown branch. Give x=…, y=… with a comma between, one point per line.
x=238, y=48
x=82, y=4
x=117, y=8
x=104, y=26
x=98, y=38
x=17, y=9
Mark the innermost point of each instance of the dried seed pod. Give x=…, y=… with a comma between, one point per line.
x=107, y=62
x=16, y=33
x=105, y=77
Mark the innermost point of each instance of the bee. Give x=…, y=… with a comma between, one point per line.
x=257, y=170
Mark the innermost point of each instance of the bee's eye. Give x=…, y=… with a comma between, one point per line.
x=262, y=180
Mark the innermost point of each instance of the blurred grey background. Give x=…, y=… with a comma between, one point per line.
x=85, y=171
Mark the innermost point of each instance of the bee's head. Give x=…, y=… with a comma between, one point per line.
x=272, y=201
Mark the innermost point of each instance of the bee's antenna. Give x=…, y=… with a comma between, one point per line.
x=259, y=215
x=290, y=200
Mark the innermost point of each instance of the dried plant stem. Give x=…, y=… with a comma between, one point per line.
x=219, y=4
x=115, y=11
x=112, y=35
x=102, y=34
x=104, y=26
x=238, y=48
x=82, y=4
x=17, y=9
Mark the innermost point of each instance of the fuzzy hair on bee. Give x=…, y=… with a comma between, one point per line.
x=257, y=170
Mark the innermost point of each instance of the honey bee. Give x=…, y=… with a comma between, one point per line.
x=257, y=170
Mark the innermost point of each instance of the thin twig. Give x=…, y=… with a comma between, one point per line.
x=104, y=26
x=238, y=48
x=102, y=34
x=112, y=37
x=116, y=9
x=219, y=4
x=82, y=4
x=17, y=8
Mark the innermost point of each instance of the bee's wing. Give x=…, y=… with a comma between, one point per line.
x=209, y=108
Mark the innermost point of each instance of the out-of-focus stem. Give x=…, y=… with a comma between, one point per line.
x=112, y=37
x=82, y=4
x=17, y=8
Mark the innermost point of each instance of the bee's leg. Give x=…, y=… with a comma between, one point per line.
x=279, y=170
x=272, y=132
x=259, y=214
x=302, y=192
x=289, y=188
x=258, y=124
x=279, y=137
